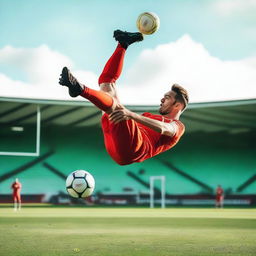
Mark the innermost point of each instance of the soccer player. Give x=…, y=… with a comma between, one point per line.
x=16, y=186
x=219, y=197
x=128, y=136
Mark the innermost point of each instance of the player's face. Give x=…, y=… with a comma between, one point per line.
x=167, y=103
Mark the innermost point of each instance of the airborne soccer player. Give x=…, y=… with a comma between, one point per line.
x=128, y=136
x=16, y=187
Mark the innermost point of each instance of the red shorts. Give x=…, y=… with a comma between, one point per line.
x=219, y=198
x=16, y=197
x=124, y=141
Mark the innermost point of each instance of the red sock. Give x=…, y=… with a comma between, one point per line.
x=113, y=67
x=99, y=98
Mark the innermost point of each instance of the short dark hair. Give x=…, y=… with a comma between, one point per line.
x=181, y=94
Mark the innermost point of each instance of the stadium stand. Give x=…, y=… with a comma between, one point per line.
x=218, y=148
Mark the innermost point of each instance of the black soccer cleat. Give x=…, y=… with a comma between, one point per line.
x=67, y=79
x=127, y=38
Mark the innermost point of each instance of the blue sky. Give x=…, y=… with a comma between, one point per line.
x=224, y=31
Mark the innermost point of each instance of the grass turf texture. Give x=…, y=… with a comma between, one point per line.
x=127, y=231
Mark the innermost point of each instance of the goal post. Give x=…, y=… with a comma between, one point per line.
x=37, y=140
x=152, y=180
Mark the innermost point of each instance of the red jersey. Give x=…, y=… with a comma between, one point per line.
x=219, y=191
x=129, y=141
x=16, y=186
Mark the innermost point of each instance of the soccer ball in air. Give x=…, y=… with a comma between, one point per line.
x=80, y=183
x=148, y=23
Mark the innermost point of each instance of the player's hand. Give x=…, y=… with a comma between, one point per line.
x=120, y=115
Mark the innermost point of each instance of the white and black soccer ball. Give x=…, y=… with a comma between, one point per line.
x=148, y=23
x=80, y=183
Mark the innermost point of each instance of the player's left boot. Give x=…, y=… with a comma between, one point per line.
x=67, y=79
x=127, y=38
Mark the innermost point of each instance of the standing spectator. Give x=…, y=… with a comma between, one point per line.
x=16, y=186
x=219, y=197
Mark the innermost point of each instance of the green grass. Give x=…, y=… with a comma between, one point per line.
x=127, y=231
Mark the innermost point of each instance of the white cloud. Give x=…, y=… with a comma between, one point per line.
x=41, y=67
x=185, y=61
x=188, y=63
x=228, y=7
x=39, y=64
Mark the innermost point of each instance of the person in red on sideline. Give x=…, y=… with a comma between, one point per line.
x=16, y=186
x=219, y=197
x=128, y=136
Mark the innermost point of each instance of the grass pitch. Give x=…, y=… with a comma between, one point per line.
x=127, y=231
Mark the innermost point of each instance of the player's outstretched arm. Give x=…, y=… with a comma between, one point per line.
x=123, y=113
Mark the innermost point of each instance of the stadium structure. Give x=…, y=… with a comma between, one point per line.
x=42, y=141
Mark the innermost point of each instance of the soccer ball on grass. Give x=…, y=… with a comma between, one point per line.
x=80, y=183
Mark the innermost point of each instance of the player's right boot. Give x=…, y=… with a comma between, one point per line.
x=67, y=79
x=127, y=38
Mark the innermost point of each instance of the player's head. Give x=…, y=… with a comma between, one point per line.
x=176, y=100
x=17, y=180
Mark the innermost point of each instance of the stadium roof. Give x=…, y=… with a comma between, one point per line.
x=233, y=116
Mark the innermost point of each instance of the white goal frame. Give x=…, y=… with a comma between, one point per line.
x=37, y=148
x=151, y=191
